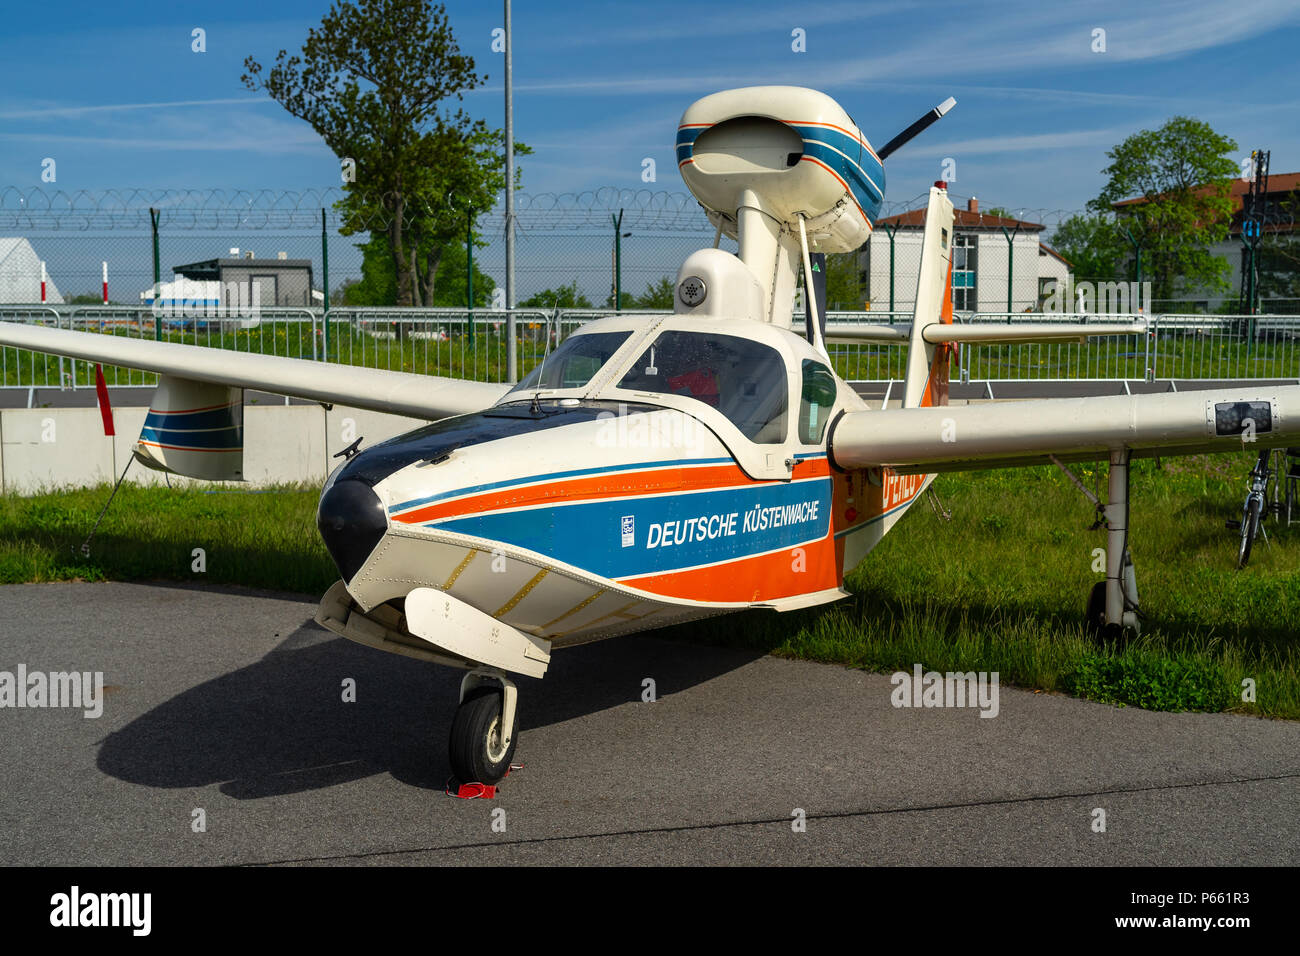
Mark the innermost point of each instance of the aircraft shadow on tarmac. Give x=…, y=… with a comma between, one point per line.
x=280, y=726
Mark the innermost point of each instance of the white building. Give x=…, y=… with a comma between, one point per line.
x=20, y=275
x=982, y=245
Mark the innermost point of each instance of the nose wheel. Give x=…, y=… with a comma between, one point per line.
x=484, y=731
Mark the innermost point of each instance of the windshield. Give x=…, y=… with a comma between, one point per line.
x=744, y=380
x=574, y=362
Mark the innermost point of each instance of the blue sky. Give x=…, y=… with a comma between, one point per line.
x=116, y=96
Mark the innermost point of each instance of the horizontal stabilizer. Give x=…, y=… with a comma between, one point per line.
x=993, y=333
x=1027, y=332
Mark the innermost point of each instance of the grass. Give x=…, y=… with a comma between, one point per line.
x=999, y=587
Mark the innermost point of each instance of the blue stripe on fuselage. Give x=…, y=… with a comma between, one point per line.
x=589, y=534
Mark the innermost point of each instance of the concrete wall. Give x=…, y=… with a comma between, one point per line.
x=46, y=448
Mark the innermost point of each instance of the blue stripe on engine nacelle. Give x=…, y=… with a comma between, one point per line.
x=210, y=438
x=864, y=174
x=209, y=418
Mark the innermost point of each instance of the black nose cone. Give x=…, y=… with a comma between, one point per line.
x=351, y=519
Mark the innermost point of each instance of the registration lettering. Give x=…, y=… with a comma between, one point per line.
x=668, y=534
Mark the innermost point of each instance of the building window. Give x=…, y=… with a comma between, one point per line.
x=963, y=272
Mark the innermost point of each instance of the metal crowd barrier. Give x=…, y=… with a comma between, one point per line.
x=473, y=343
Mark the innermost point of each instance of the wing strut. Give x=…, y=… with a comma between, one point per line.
x=816, y=320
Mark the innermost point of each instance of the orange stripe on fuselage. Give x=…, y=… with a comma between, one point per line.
x=595, y=487
x=764, y=577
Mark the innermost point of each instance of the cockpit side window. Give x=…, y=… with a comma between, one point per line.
x=742, y=379
x=815, y=401
x=574, y=362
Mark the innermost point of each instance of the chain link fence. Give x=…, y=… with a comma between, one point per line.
x=63, y=253
x=57, y=247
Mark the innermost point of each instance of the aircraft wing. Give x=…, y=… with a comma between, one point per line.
x=1016, y=433
x=195, y=425
x=401, y=393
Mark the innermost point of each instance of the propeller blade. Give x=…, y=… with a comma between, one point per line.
x=917, y=127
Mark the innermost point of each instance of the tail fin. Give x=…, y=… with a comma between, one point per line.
x=926, y=380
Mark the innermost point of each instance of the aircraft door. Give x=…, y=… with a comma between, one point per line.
x=743, y=385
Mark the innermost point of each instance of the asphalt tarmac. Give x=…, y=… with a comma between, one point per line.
x=231, y=702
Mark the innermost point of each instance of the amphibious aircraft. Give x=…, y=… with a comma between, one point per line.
x=656, y=470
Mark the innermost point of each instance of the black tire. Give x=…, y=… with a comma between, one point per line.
x=1095, y=615
x=474, y=759
x=1249, y=528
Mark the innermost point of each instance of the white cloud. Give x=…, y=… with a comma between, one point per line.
x=44, y=112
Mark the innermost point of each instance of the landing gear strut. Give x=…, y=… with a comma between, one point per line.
x=485, y=729
x=1113, y=604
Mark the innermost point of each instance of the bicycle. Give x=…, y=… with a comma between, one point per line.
x=1287, y=488
x=1257, y=504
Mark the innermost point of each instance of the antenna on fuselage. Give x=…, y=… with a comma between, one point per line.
x=541, y=371
x=917, y=128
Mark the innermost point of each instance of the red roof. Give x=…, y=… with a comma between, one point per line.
x=1277, y=183
x=1279, y=186
x=963, y=219
x=1044, y=247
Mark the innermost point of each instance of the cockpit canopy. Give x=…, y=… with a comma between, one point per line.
x=743, y=379
x=574, y=363
x=740, y=378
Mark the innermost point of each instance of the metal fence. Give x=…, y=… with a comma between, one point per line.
x=591, y=242
x=473, y=344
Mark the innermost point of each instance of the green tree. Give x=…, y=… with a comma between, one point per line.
x=629, y=301
x=378, y=283
x=449, y=284
x=565, y=297
x=372, y=80
x=844, y=289
x=1094, y=245
x=1279, y=257
x=1182, y=173
x=658, y=295
x=844, y=282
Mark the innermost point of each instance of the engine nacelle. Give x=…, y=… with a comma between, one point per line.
x=792, y=148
